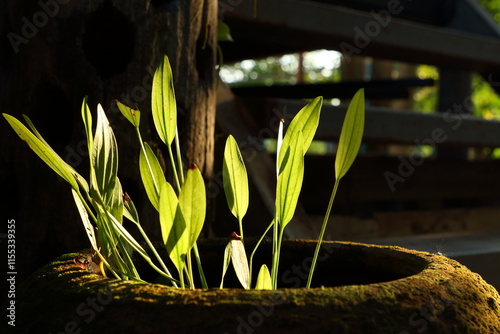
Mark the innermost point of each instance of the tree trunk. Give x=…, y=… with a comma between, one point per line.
x=55, y=53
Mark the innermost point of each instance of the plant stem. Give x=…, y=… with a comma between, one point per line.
x=179, y=157
x=158, y=257
x=204, y=283
x=255, y=249
x=322, y=232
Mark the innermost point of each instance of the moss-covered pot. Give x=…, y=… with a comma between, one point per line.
x=359, y=289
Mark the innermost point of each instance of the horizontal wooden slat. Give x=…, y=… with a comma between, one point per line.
x=374, y=89
x=391, y=126
x=392, y=183
x=288, y=25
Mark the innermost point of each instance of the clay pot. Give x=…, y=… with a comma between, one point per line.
x=359, y=288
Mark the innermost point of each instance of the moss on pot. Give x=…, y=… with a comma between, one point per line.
x=359, y=289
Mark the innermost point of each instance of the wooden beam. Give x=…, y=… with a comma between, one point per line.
x=453, y=127
x=374, y=89
x=289, y=25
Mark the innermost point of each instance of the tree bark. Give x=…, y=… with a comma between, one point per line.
x=56, y=52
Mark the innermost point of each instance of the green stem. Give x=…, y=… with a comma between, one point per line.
x=143, y=149
x=190, y=270
x=204, y=283
x=322, y=233
x=158, y=257
x=179, y=157
x=255, y=250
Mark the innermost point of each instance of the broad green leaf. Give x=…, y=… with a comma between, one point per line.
x=163, y=103
x=264, y=279
x=351, y=135
x=133, y=115
x=290, y=181
x=104, y=155
x=193, y=203
x=224, y=33
x=235, y=179
x=151, y=174
x=174, y=231
x=225, y=263
x=306, y=121
x=89, y=228
x=240, y=262
x=129, y=210
x=44, y=152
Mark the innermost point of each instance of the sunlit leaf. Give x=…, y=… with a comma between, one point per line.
x=104, y=155
x=290, y=181
x=151, y=174
x=223, y=32
x=226, y=262
x=163, y=103
x=132, y=115
x=235, y=179
x=87, y=122
x=193, y=203
x=129, y=210
x=115, y=202
x=89, y=228
x=240, y=262
x=351, y=135
x=306, y=121
x=174, y=231
x=44, y=152
x=264, y=279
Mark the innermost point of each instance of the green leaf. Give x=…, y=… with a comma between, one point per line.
x=163, y=103
x=133, y=115
x=151, y=174
x=87, y=122
x=115, y=202
x=264, y=279
x=235, y=179
x=104, y=156
x=89, y=228
x=224, y=33
x=129, y=210
x=306, y=121
x=44, y=152
x=193, y=203
x=351, y=135
x=225, y=263
x=174, y=231
x=290, y=181
x=240, y=262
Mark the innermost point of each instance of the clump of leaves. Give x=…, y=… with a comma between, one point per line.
x=181, y=207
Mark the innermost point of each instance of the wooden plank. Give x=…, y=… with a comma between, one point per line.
x=412, y=224
x=394, y=183
x=288, y=25
x=384, y=125
x=374, y=89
